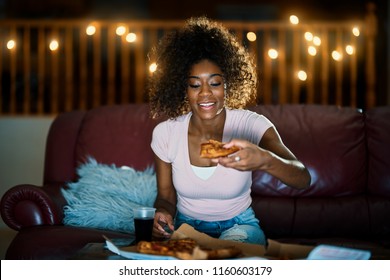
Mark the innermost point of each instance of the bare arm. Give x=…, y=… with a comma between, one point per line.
x=271, y=156
x=166, y=199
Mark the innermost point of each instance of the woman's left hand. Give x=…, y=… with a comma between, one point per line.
x=249, y=157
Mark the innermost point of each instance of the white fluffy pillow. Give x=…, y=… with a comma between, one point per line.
x=104, y=196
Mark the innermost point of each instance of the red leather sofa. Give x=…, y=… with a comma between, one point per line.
x=346, y=150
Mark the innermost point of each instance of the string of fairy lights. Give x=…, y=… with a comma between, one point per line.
x=314, y=42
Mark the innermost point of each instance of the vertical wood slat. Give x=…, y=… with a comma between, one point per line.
x=83, y=75
x=13, y=69
x=295, y=66
x=370, y=34
x=125, y=74
x=353, y=73
x=282, y=70
x=267, y=71
x=310, y=77
x=69, y=58
x=324, y=73
x=26, y=70
x=54, y=56
x=96, y=92
x=111, y=64
x=139, y=68
x=41, y=69
x=339, y=69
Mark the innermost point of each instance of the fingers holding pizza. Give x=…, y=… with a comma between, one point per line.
x=238, y=154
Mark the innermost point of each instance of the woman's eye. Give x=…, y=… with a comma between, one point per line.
x=217, y=84
x=193, y=86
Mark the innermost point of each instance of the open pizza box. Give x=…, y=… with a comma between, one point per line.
x=274, y=249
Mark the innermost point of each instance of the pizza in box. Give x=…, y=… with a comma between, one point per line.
x=186, y=249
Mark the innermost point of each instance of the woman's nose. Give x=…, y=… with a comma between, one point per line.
x=205, y=90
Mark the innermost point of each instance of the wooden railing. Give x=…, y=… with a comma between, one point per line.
x=49, y=67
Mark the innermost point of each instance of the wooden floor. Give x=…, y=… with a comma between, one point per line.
x=6, y=236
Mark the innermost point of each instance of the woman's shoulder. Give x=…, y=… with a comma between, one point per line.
x=170, y=124
x=246, y=115
x=243, y=113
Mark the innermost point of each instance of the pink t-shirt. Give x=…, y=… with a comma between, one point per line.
x=226, y=193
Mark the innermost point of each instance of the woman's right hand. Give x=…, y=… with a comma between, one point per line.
x=163, y=219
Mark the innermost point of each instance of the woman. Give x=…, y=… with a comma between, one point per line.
x=204, y=79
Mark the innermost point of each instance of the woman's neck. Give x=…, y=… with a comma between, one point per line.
x=207, y=129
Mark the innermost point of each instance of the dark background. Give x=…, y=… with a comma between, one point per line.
x=181, y=9
x=245, y=10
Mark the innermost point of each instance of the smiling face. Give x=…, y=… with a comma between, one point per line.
x=205, y=89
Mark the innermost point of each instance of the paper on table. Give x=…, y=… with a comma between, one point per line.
x=328, y=252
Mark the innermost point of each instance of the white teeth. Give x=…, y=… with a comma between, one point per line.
x=206, y=104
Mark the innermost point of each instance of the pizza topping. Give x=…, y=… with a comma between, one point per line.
x=215, y=149
x=186, y=248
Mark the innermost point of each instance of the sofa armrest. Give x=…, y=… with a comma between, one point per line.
x=28, y=205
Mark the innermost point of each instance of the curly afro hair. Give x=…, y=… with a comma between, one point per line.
x=178, y=51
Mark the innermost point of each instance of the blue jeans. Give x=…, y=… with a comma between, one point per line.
x=243, y=227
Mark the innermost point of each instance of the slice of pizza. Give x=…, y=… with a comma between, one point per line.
x=215, y=149
x=185, y=249
x=180, y=248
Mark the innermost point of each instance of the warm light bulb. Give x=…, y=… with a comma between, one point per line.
x=294, y=19
x=11, y=44
x=337, y=55
x=312, y=50
x=90, y=30
x=120, y=30
x=308, y=36
x=356, y=31
x=251, y=36
x=53, y=45
x=302, y=75
x=350, y=50
x=153, y=67
x=273, y=54
x=316, y=40
x=131, y=37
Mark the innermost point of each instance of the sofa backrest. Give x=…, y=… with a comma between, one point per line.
x=378, y=186
x=118, y=134
x=378, y=143
x=329, y=140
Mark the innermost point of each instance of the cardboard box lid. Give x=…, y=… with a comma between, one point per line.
x=187, y=231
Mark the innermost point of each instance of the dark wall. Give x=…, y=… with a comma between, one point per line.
x=179, y=9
